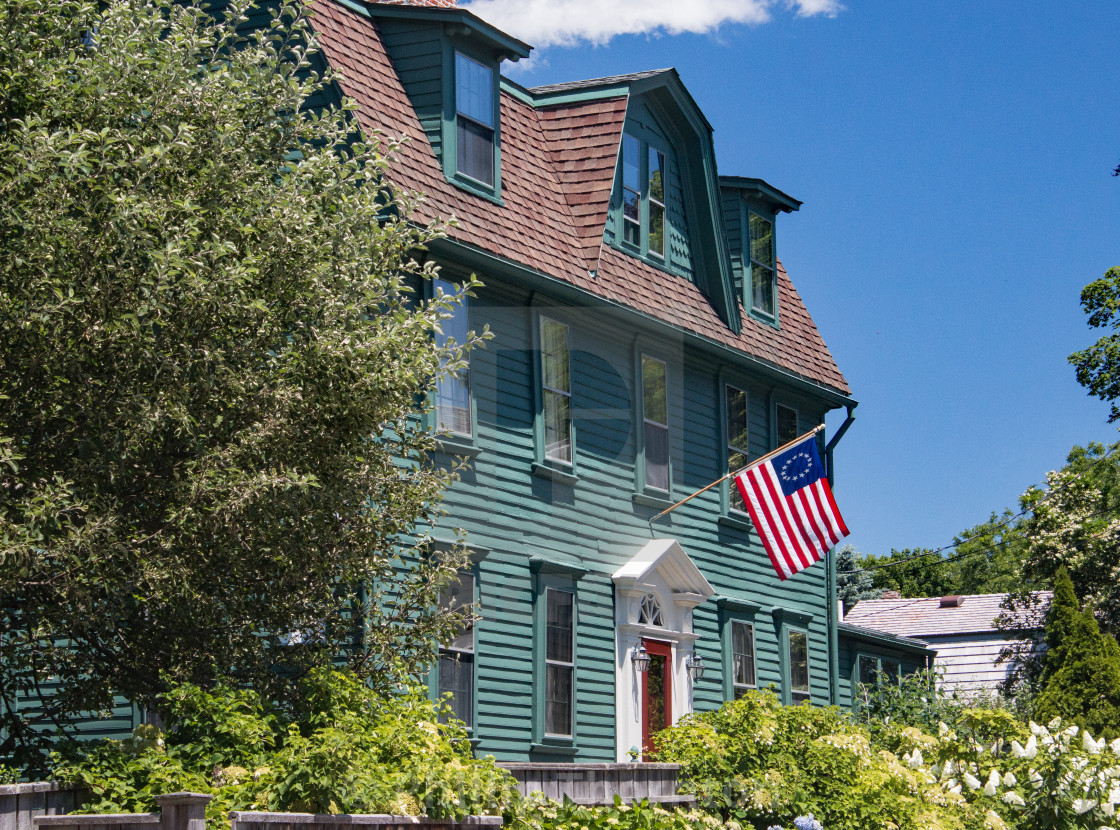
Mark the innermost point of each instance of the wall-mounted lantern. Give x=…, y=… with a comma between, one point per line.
x=640, y=658
x=695, y=664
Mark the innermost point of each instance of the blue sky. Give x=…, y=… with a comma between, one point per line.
x=954, y=163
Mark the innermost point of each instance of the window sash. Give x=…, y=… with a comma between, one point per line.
x=456, y=659
x=556, y=391
x=735, y=404
x=786, y=417
x=474, y=90
x=559, y=697
x=762, y=263
x=742, y=657
x=655, y=423
x=798, y=644
x=453, y=390
x=656, y=202
x=474, y=150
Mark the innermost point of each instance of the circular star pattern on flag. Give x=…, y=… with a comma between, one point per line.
x=801, y=464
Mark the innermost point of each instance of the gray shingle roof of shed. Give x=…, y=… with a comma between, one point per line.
x=924, y=617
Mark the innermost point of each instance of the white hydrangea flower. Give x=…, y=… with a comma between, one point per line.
x=1108, y=808
x=1017, y=750
x=1014, y=799
x=1083, y=805
x=972, y=781
x=1115, y=747
x=1036, y=779
x=1035, y=728
x=915, y=760
x=1114, y=795
x=1010, y=780
x=1091, y=746
x=1031, y=749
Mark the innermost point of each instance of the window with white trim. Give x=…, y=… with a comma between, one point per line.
x=735, y=407
x=762, y=264
x=655, y=423
x=559, y=662
x=475, y=117
x=644, y=173
x=453, y=389
x=456, y=658
x=798, y=644
x=742, y=657
x=556, y=391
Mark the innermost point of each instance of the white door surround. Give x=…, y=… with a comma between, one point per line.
x=655, y=593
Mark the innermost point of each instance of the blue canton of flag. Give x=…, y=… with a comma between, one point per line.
x=792, y=507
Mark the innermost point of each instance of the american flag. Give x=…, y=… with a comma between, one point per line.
x=792, y=507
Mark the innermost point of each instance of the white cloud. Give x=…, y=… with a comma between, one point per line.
x=570, y=22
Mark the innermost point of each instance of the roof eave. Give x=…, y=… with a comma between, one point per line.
x=759, y=189
x=509, y=47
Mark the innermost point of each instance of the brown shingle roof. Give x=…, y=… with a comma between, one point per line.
x=924, y=616
x=558, y=168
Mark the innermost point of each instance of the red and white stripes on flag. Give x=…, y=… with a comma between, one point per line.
x=792, y=507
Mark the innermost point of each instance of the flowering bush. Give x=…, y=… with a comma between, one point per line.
x=342, y=748
x=1059, y=778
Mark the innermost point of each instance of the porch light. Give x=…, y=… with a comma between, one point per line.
x=640, y=658
x=695, y=664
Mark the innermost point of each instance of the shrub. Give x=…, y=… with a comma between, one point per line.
x=754, y=761
x=341, y=749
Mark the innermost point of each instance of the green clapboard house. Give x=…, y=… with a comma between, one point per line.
x=646, y=339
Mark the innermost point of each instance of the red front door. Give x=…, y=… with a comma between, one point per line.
x=657, y=692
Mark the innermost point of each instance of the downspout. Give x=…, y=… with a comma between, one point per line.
x=833, y=622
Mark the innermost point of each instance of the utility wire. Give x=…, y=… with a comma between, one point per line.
x=946, y=559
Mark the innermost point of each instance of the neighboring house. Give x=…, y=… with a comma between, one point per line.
x=647, y=339
x=962, y=629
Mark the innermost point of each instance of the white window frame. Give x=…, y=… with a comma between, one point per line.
x=570, y=665
x=736, y=686
x=547, y=390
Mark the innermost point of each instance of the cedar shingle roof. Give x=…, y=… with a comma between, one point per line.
x=924, y=616
x=558, y=168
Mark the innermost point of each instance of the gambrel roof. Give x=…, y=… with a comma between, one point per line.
x=558, y=164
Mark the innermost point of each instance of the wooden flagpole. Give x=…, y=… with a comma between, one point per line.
x=754, y=463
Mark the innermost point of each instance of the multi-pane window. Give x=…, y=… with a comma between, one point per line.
x=876, y=670
x=453, y=389
x=474, y=111
x=643, y=195
x=556, y=390
x=762, y=264
x=631, y=189
x=787, y=424
x=798, y=666
x=655, y=423
x=656, y=202
x=742, y=657
x=559, y=662
x=456, y=659
x=736, y=408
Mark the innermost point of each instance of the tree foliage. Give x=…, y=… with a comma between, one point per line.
x=1080, y=680
x=211, y=358
x=852, y=582
x=1098, y=367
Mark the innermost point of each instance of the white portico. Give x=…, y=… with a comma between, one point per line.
x=655, y=593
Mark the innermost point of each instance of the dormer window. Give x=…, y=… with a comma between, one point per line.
x=762, y=264
x=643, y=196
x=475, y=119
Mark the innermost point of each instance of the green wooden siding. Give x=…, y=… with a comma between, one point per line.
x=417, y=52
x=595, y=523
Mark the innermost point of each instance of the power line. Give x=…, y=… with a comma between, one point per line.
x=946, y=559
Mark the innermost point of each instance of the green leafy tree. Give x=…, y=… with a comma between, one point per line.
x=911, y=572
x=1081, y=676
x=211, y=357
x=1098, y=367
